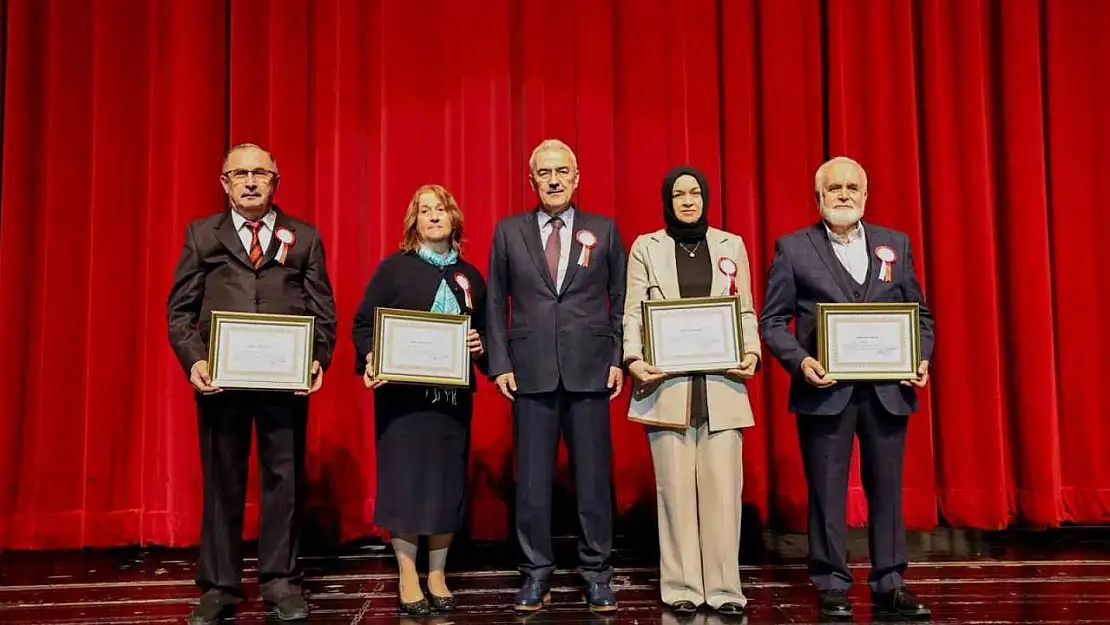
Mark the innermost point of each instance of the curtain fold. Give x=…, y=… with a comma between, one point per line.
x=979, y=122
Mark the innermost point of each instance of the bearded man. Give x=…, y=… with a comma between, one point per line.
x=834, y=260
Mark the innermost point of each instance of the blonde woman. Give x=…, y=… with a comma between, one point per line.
x=423, y=432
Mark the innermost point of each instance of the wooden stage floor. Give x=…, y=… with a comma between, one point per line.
x=966, y=577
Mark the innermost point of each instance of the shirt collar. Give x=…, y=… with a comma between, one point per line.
x=853, y=236
x=238, y=220
x=567, y=216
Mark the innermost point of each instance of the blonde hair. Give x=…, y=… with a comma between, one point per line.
x=411, y=239
x=552, y=144
x=819, y=177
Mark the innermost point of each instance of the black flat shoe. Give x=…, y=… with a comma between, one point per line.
x=731, y=608
x=683, y=607
x=443, y=604
x=416, y=608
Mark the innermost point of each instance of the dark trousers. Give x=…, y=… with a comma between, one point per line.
x=583, y=419
x=225, y=444
x=826, y=452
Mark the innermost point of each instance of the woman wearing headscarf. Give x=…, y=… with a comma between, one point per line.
x=694, y=423
x=423, y=432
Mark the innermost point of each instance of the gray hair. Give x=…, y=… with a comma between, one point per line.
x=819, y=177
x=552, y=144
x=243, y=146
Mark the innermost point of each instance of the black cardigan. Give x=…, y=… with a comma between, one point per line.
x=404, y=280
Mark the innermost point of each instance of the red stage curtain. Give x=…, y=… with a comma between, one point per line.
x=981, y=124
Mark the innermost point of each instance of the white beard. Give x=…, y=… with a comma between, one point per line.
x=842, y=216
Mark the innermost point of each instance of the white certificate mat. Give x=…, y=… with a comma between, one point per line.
x=261, y=351
x=693, y=335
x=422, y=348
x=870, y=343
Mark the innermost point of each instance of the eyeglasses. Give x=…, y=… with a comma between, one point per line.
x=265, y=176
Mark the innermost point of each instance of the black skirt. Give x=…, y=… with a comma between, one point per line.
x=422, y=436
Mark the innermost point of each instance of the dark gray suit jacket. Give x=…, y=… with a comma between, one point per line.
x=803, y=273
x=215, y=273
x=574, y=335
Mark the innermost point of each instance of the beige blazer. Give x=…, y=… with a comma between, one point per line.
x=652, y=274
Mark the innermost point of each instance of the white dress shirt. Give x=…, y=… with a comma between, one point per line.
x=544, y=220
x=264, y=233
x=851, y=253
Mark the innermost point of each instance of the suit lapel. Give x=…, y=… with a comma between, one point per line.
x=663, y=264
x=716, y=241
x=581, y=222
x=225, y=232
x=819, y=238
x=530, y=232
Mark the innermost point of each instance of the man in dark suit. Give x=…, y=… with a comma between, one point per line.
x=562, y=272
x=834, y=261
x=235, y=261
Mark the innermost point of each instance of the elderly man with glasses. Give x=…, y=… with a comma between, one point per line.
x=249, y=257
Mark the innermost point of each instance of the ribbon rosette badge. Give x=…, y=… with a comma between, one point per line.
x=588, y=241
x=464, y=284
x=888, y=257
x=728, y=267
x=287, y=240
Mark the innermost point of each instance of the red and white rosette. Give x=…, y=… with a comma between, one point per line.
x=887, y=255
x=287, y=240
x=728, y=267
x=588, y=241
x=464, y=284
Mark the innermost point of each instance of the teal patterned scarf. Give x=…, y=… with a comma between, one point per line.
x=445, y=301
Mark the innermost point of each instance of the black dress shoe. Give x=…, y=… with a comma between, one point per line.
x=731, y=608
x=532, y=596
x=214, y=606
x=683, y=607
x=600, y=597
x=835, y=604
x=292, y=608
x=900, y=602
x=442, y=604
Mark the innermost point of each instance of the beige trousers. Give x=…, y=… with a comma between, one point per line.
x=699, y=477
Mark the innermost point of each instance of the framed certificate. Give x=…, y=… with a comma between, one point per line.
x=260, y=352
x=869, y=341
x=693, y=334
x=419, y=347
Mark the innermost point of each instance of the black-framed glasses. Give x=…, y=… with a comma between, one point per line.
x=264, y=176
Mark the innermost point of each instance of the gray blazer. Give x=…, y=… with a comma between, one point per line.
x=804, y=272
x=652, y=274
x=574, y=335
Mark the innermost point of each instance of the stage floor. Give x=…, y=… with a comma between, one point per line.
x=966, y=577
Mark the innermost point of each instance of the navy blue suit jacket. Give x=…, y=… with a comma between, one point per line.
x=803, y=274
x=574, y=335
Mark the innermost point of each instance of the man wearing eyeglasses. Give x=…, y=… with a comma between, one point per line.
x=251, y=257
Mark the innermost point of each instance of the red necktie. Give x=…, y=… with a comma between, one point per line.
x=256, y=246
x=553, y=248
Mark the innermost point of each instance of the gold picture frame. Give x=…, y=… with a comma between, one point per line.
x=842, y=350
x=260, y=351
x=421, y=347
x=662, y=323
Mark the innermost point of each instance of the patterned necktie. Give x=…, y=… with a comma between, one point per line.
x=553, y=248
x=256, y=246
